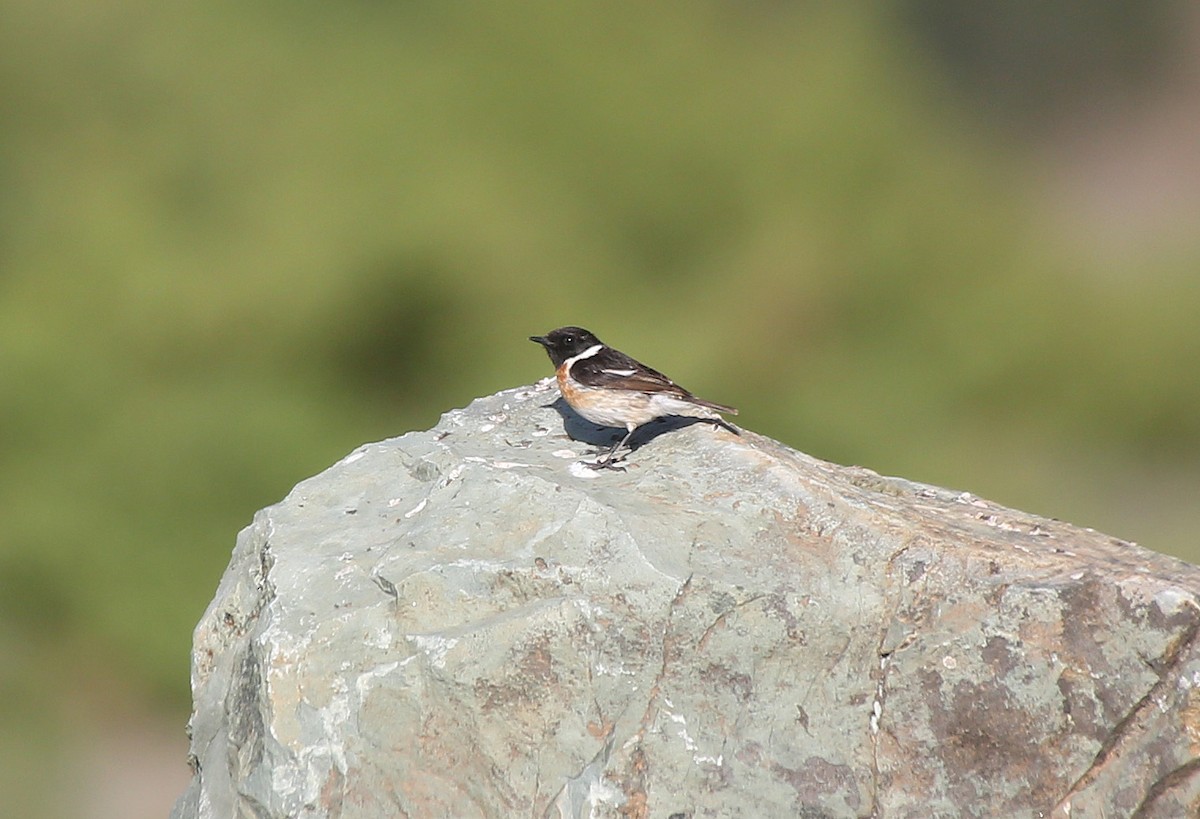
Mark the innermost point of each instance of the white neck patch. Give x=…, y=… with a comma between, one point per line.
x=588, y=353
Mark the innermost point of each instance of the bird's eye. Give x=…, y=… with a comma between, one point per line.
x=568, y=339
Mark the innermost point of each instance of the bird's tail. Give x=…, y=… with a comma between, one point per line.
x=713, y=406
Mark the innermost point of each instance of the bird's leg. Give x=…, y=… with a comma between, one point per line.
x=609, y=460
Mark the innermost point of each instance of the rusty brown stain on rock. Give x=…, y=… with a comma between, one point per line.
x=1190, y=716
x=816, y=778
x=636, y=804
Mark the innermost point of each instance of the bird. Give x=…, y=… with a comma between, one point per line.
x=609, y=388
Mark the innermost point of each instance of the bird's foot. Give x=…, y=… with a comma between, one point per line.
x=606, y=463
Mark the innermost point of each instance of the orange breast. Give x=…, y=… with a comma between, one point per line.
x=566, y=386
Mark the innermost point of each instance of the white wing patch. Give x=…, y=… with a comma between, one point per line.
x=619, y=372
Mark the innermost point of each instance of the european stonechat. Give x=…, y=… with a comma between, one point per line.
x=609, y=388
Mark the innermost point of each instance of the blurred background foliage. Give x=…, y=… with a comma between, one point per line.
x=239, y=239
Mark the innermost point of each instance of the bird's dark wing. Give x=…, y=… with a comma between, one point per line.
x=614, y=370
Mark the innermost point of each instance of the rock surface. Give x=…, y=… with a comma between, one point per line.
x=464, y=623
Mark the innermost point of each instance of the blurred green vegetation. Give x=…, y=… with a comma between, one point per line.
x=237, y=240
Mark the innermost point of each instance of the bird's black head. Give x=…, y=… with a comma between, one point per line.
x=565, y=342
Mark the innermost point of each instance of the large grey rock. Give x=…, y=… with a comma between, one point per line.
x=464, y=623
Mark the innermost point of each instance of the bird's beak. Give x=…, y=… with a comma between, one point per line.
x=539, y=339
